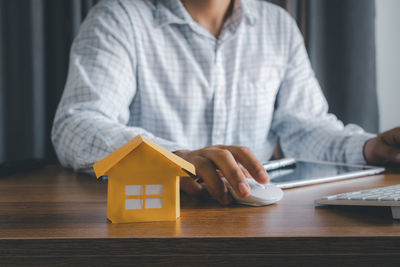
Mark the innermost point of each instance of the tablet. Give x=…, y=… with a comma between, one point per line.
x=305, y=172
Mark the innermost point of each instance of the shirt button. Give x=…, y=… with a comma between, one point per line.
x=221, y=92
x=220, y=137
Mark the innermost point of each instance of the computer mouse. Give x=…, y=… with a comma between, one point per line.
x=260, y=195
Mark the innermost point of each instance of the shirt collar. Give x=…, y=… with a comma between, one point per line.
x=173, y=12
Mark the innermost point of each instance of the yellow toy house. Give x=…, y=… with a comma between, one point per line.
x=143, y=182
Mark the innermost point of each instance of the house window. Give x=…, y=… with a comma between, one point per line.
x=133, y=190
x=153, y=203
x=154, y=189
x=144, y=196
x=134, y=204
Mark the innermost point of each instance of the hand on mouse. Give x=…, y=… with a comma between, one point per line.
x=212, y=162
x=383, y=149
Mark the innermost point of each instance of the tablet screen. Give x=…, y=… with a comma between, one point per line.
x=310, y=172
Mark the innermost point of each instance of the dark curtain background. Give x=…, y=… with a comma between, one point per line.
x=340, y=38
x=34, y=49
x=341, y=44
x=35, y=37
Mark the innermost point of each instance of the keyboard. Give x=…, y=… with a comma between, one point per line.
x=381, y=196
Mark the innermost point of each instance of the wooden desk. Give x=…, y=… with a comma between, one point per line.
x=54, y=216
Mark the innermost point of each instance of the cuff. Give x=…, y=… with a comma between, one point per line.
x=355, y=148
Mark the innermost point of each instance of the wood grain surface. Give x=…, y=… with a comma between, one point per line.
x=54, y=216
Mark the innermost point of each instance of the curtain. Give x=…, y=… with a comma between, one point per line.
x=340, y=39
x=35, y=38
x=341, y=44
x=34, y=49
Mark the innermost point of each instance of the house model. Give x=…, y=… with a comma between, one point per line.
x=143, y=182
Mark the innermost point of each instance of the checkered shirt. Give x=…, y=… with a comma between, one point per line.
x=146, y=67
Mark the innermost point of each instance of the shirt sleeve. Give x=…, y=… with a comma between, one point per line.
x=91, y=119
x=301, y=120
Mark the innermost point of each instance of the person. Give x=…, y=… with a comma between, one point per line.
x=214, y=81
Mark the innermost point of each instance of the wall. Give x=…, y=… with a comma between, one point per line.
x=388, y=62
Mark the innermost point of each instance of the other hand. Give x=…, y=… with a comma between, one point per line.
x=383, y=149
x=212, y=162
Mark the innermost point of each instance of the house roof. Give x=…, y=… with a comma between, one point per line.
x=102, y=166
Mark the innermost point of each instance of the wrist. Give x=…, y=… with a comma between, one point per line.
x=368, y=149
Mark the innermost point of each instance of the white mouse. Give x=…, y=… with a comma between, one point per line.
x=260, y=195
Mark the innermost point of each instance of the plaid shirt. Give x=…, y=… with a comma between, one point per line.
x=146, y=67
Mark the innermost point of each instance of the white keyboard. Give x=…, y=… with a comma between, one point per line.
x=381, y=196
